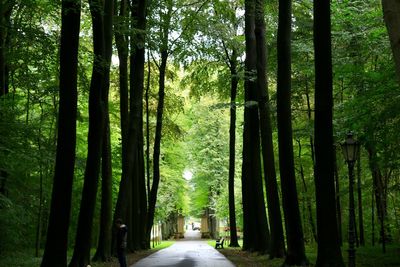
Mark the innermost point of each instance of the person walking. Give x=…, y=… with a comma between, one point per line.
x=122, y=234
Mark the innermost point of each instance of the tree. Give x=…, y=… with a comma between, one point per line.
x=129, y=202
x=391, y=15
x=5, y=14
x=97, y=95
x=157, y=140
x=103, y=252
x=232, y=139
x=277, y=244
x=255, y=225
x=55, y=254
x=138, y=207
x=359, y=201
x=164, y=33
x=294, y=232
x=329, y=253
x=121, y=40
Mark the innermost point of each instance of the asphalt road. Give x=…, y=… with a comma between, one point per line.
x=191, y=251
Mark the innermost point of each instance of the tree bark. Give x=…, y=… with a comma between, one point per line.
x=147, y=143
x=135, y=168
x=103, y=252
x=6, y=7
x=97, y=106
x=144, y=242
x=157, y=141
x=148, y=124
x=277, y=244
x=309, y=117
x=3, y=179
x=255, y=225
x=359, y=197
x=372, y=218
x=337, y=198
x=122, y=48
x=329, y=253
x=164, y=33
x=232, y=151
x=307, y=197
x=378, y=190
x=40, y=208
x=55, y=253
x=391, y=15
x=294, y=232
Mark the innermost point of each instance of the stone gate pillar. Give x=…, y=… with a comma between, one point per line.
x=181, y=223
x=205, y=232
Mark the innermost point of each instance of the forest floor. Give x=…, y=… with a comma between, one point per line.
x=368, y=256
x=25, y=258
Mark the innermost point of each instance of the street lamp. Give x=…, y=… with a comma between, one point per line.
x=350, y=149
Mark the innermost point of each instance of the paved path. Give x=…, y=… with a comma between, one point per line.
x=191, y=251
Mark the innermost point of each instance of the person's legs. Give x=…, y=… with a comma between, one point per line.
x=121, y=257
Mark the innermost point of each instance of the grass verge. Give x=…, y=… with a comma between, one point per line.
x=242, y=258
x=367, y=256
x=25, y=258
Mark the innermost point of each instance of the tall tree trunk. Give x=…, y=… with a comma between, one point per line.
x=6, y=7
x=148, y=124
x=55, y=253
x=337, y=198
x=359, y=197
x=391, y=15
x=232, y=151
x=143, y=241
x=277, y=245
x=294, y=232
x=103, y=252
x=157, y=141
x=145, y=238
x=135, y=168
x=97, y=106
x=3, y=179
x=122, y=48
x=134, y=209
x=164, y=34
x=378, y=190
x=329, y=253
x=255, y=225
x=40, y=214
x=40, y=208
x=309, y=117
x=307, y=197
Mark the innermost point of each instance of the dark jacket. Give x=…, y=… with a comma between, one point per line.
x=122, y=236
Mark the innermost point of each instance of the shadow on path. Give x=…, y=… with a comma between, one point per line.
x=191, y=251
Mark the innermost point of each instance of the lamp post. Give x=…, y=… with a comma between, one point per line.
x=350, y=149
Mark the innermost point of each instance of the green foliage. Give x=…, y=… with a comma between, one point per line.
x=173, y=187
x=199, y=37
x=16, y=225
x=20, y=258
x=208, y=155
